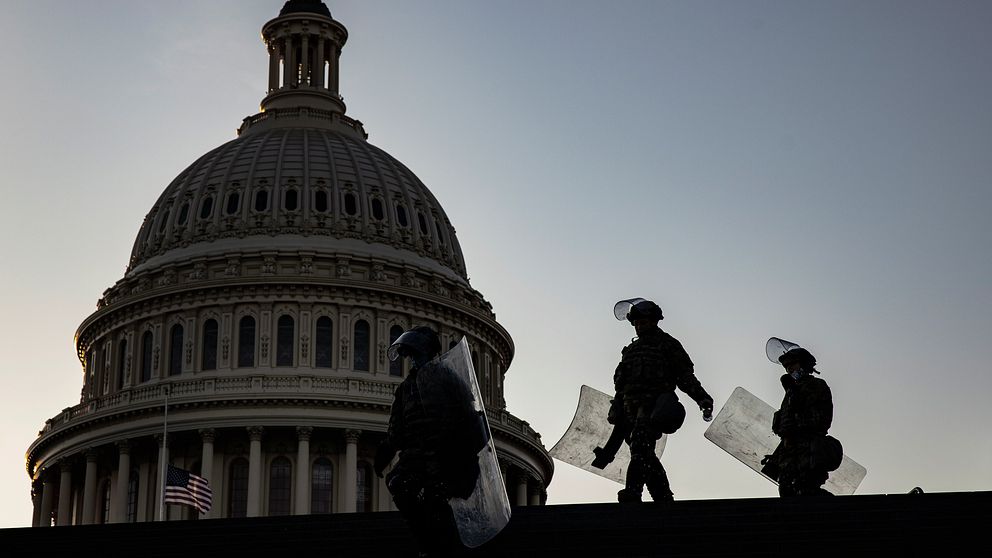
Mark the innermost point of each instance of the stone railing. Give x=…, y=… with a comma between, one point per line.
x=205, y=389
x=258, y=385
x=305, y=113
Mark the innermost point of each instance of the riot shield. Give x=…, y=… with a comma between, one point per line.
x=589, y=430
x=450, y=391
x=743, y=428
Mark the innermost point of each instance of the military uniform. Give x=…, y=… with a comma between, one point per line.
x=806, y=455
x=651, y=367
x=437, y=433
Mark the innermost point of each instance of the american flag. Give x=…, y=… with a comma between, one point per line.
x=183, y=487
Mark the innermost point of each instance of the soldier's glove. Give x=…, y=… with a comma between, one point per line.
x=706, y=406
x=383, y=455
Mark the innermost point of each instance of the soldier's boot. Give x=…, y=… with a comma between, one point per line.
x=629, y=495
x=661, y=493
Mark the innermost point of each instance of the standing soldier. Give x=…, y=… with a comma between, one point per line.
x=806, y=454
x=651, y=367
x=438, y=435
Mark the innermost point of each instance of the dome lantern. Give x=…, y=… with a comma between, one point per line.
x=304, y=43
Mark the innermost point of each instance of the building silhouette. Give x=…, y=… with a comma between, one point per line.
x=263, y=289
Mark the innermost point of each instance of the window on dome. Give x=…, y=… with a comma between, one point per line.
x=395, y=366
x=206, y=207
x=401, y=216
x=292, y=200
x=176, y=350
x=183, y=213
x=362, y=339
x=146, y=356
x=246, y=342
x=323, y=338
x=209, y=360
x=320, y=201
x=422, y=222
x=437, y=228
x=233, y=202
x=284, y=341
x=350, y=204
x=237, y=505
x=321, y=486
x=261, y=200
x=377, y=211
x=280, y=479
x=121, y=361
x=165, y=221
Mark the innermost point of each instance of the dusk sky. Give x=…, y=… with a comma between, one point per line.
x=819, y=171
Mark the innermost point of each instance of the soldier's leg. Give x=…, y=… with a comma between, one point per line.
x=652, y=470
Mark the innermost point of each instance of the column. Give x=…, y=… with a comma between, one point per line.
x=291, y=73
x=65, y=494
x=303, y=470
x=36, y=503
x=89, y=487
x=535, y=496
x=273, y=66
x=47, y=499
x=255, y=471
x=163, y=468
x=287, y=47
x=521, y=499
x=207, y=461
x=305, y=63
x=334, y=59
x=118, y=503
x=318, y=69
x=349, y=492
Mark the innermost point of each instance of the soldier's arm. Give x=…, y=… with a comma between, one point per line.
x=687, y=380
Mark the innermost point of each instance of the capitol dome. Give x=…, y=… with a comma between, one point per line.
x=246, y=342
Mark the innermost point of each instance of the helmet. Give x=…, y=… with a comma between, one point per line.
x=637, y=309
x=783, y=352
x=421, y=342
x=800, y=355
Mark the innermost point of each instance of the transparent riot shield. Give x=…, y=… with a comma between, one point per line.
x=743, y=428
x=450, y=391
x=590, y=430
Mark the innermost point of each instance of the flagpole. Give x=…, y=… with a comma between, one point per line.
x=165, y=457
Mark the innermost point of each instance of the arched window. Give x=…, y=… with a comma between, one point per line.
x=377, y=211
x=246, y=342
x=291, y=199
x=321, y=486
x=280, y=486
x=437, y=229
x=320, y=201
x=105, y=503
x=183, y=214
x=146, y=356
x=261, y=200
x=238, y=499
x=209, y=360
x=121, y=363
x=325, y=334
x=164, y=222
x=176, y=350
x=350, y=205
x=396, y=366
x=284, y=341
x=422, y=222
x=233, y=201
x=362, y=340
x=401, y=216
x=131, y=514
x=206, y=207
x=363, y=498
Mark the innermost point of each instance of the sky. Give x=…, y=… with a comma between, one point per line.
x=816, y=171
